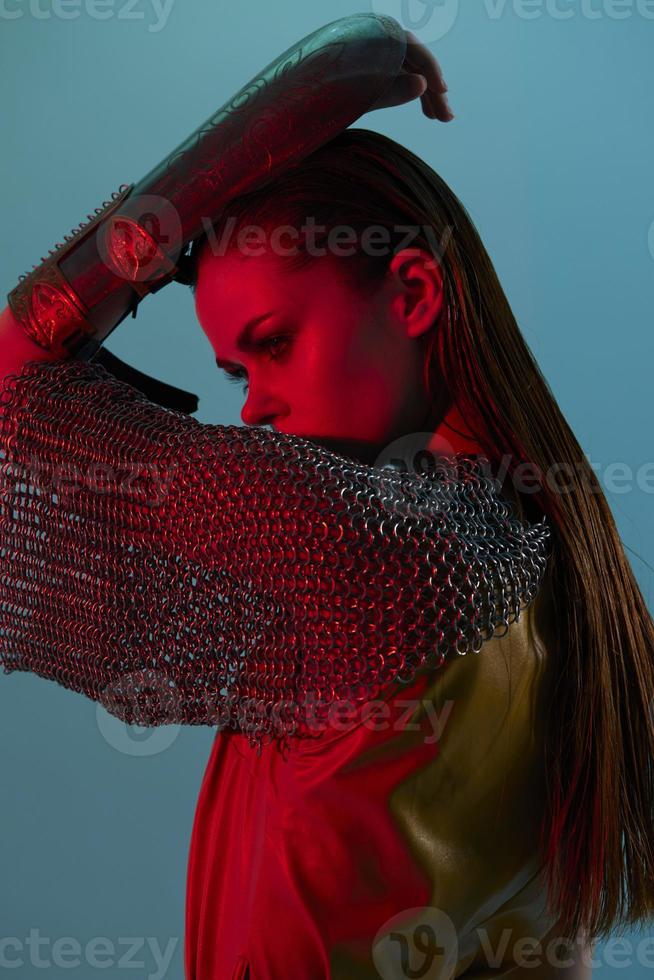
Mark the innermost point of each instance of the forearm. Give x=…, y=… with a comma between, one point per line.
x=133, y=244
x=16, y=348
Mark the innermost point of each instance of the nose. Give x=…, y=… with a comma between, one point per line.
x=261, y=409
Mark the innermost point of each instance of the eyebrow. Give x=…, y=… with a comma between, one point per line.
x=244, y=340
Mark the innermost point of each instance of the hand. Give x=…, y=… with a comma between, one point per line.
x=420, y=77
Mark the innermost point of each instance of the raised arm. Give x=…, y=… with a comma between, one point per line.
x=134, y=243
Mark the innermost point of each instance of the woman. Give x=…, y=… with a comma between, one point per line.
x=433, y=347
x=508, y=789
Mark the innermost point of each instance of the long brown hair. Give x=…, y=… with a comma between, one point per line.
x=597, y=835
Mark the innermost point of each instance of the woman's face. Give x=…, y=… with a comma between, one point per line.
x=321, y=360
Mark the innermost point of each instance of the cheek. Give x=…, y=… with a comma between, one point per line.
x=322, y=364
x=346, y=350
x=360, y=397
x=324, y=389
x=347, y=377
x=374, y=371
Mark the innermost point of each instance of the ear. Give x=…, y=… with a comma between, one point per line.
x=418, y=294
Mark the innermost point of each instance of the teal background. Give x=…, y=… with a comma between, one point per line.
x=551, y=151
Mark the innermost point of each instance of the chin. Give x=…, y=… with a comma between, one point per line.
x=359, y=450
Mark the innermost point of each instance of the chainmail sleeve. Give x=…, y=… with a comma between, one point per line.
x=178, y=572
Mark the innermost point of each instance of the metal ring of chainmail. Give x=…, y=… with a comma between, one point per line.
x=178, y=572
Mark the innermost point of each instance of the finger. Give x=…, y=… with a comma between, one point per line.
x=420, y=59
x=436, y=106
x=438, y=110
x=404, y=89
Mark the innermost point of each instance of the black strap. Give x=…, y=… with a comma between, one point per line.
x=157, y=391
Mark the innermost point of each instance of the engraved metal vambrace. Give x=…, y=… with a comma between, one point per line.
x=134, y=244
x=179, y=572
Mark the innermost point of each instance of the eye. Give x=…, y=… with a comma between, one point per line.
x=275, y=344
x=237, y=378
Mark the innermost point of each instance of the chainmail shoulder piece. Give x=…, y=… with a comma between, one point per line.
x=179, y=572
